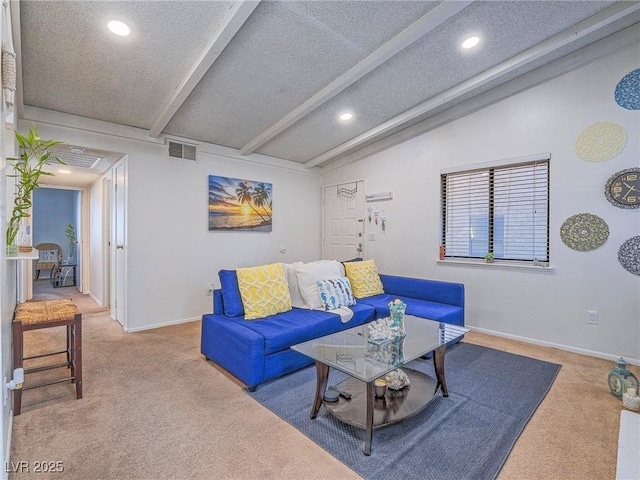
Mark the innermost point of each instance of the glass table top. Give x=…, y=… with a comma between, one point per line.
x=358, y=353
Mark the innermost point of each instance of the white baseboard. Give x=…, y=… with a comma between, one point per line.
x=542, y=343
x=93, y=297
x=163, y=324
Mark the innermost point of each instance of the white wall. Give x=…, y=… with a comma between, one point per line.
x=542, y=306
x=7, y=304
x=172, y=257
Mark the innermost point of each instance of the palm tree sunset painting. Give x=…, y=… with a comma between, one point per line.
x=236, y=204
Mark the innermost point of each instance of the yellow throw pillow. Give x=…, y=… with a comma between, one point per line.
x=264, y=291
x=364, y=278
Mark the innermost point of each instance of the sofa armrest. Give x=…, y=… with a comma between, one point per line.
x=430, y=290
x=218, y=307
x=237, y=349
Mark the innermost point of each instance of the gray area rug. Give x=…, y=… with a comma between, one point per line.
x=492, y=396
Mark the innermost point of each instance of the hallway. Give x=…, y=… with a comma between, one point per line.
x=43, y=290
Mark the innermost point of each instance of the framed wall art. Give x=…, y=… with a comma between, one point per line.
x=239, y=205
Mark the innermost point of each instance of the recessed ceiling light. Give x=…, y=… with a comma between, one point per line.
x=471, y=42
x=118, y=28
x=64, y=171
x=346, y=116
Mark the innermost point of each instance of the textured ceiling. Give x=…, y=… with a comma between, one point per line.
x=275, y=74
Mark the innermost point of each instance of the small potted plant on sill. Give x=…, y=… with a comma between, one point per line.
x=489, y=257
x=28, y=168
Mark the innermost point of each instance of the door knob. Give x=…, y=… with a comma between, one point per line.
x=120, y=247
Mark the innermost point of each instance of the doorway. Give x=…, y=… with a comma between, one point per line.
x=57, y=226
x=343, y=226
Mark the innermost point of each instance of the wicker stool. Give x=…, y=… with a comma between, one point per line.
x=54, y=313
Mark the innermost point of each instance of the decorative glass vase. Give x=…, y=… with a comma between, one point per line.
x=396, y=311
x=24, y=238
x=11, y=237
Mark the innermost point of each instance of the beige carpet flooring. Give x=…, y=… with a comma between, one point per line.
x=153, y=408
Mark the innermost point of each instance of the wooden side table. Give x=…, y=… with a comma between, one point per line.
x=60, y=275
x=48, y=314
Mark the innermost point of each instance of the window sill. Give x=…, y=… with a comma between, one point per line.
x=33, y=255
x=497, y=264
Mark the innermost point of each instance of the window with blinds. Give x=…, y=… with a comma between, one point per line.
x=502, y=210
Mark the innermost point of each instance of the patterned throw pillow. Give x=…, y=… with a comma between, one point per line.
x=336, y=293
x=309, y=273
x=48, y=256
x=264, y=291
x=364, y=278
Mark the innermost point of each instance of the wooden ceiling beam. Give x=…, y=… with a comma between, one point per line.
x=418, y=29
x=238, y=13
x=596, y=22
x=601, y=48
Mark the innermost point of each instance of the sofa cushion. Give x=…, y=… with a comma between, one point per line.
x=441, y=312
x=336, y=293
x=231, y=299
x=264, y=290
x=364, y=278
x=297, y=300
x=309, y=273
x=283, y=330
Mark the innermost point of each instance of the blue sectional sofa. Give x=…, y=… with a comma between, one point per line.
x=255, y=351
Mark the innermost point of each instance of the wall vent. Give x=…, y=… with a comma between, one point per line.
x=182, y=150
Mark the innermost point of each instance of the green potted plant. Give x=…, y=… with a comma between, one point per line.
x=489, y=257
x=70, y=231
x=28, y=168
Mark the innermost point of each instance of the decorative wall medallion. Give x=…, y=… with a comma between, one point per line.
x=584, y=232
x=623, y=188
x=629, y=255
x=628, y=91
x=600, y=142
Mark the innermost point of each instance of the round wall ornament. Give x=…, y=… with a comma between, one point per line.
x=584, y=232
x=623, y=188
x=627, y=92
x=629, y=255
x=600, y=142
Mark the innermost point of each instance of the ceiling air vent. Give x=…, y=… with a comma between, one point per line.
x=76, y=158
x=182, y=150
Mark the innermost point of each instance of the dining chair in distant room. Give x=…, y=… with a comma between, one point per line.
x=48, y=257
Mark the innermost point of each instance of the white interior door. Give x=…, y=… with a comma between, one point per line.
x=118, y=245
x=107, y=206
x=343, y=231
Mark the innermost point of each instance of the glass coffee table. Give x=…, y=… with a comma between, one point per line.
x=364, y=359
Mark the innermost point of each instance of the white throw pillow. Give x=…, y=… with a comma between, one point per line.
x=309, y=273
x=297, y=300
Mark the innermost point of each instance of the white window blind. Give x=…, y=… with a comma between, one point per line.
x=502, y=210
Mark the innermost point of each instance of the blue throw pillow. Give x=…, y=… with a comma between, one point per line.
x=336, y=293
x=231, y=299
